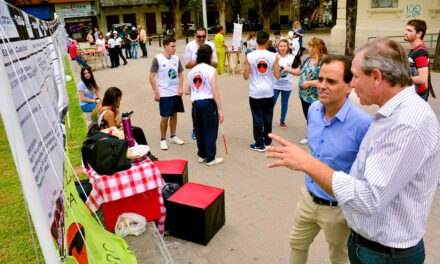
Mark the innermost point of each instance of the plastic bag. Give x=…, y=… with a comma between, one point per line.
x=130, y=224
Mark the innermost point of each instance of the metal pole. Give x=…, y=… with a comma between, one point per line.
x=205, y=19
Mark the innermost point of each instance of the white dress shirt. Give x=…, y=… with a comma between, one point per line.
x=389, y=192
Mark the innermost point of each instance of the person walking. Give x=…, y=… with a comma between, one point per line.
x=262, y=68
x=202, y=86
x=387, y=196
x=166, y=79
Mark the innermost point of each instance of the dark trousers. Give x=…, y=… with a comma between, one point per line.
x=127, y=47
x=119, y=49
x=139, y=135
x=359, y=254
x=114, y=57
x=262, y=116
x=305, y=106
x=193, y=115
x=143, y=48
x=206, y=126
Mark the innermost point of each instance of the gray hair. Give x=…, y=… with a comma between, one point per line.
x=389, y=57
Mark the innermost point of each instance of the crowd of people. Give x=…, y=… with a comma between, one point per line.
x=363, y=185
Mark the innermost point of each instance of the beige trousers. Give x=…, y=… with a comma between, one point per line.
x=310, y=218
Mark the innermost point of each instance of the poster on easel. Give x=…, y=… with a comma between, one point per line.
x=236, y=37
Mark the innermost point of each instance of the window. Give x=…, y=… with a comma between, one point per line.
x=384, y=3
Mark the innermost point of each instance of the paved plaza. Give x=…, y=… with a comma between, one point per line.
x=260, y=202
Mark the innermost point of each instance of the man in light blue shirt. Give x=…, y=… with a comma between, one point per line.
x=335, y=131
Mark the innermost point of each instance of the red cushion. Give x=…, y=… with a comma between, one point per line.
x=196, y=195
x=170, y=166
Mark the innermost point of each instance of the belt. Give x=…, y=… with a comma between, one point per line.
x=376, y=246
x=321, y=201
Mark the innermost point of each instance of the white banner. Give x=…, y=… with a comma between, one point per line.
x=236, y=38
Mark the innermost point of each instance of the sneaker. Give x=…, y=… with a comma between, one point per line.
x=176, y=140
x=163, y=145
x=201, y=160
x=303, y=141
x=215, y=162
x=259, y=149
x=283, y=125
x=193, y=135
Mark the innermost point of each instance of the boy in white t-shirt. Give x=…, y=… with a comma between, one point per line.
x=262, y=68
x=166, y=79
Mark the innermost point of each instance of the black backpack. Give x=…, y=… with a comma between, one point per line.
x=106, y=153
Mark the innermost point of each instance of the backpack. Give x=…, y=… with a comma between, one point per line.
x=106, y=153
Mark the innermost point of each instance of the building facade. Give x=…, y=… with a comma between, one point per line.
x=384, y=18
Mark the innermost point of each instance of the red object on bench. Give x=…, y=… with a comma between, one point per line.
x=145, y=204
x=196, y=212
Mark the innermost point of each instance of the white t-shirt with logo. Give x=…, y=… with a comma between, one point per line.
x=261, y=75
x=293, y=45
x=199, y=79
x=285, y=82
x=167, y=74
x=191, y=51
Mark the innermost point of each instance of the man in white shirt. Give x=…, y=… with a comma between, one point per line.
x=166, y=79
x=388, y=194
x=191, y=56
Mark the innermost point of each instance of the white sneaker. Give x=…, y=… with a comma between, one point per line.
x=163, y=145
x=201, y=160
x=215, y=161
x=303, y=141
x=176, y=140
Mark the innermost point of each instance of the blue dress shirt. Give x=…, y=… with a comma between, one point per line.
x=335, y=142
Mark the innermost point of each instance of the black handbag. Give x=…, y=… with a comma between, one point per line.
x=106, y=153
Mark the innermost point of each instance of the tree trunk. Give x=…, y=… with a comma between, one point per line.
x=295, y=9
x=351, y=15
x=436, y=66
x=266, y=24
x=178, y=23
x=221, y=6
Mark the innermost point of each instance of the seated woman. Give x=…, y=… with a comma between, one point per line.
x=107, y=115
x=88, y=91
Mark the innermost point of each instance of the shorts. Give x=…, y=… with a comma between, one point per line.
x=170, y=105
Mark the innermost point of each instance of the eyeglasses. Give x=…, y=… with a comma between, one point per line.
x=201, y=36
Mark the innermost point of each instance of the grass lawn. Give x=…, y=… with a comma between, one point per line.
x=16, y=244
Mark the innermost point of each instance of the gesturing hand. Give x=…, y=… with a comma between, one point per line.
x=288, y=154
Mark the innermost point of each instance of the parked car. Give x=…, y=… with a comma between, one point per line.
x=120, y=27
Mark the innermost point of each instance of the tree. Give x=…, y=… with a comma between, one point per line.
x=350, y=38
x=295, y=10
x=221, y=7
x=437, y=55
x=265, y=10
x=178, y=7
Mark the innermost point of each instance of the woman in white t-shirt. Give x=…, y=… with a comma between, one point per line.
x=202, y=86
x=284, y=84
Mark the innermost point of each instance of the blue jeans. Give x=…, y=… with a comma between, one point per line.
x=284, y=102
x=359, y=254
x=81, y=61
x=88, y=107
x=134, y=49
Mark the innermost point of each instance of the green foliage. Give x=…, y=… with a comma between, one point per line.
x=16, y=244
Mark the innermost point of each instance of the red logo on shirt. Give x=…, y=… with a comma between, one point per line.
x=262, y=66
x=197, y=80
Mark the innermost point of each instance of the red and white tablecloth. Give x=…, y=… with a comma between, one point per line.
x=141, y=177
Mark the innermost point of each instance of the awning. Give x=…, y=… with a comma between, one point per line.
x=41, y=12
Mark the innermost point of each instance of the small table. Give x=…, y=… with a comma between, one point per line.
x=230, y=57
x=141, y=177
x=92, y=54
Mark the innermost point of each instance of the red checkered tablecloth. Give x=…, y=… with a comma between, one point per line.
x=141, y=177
